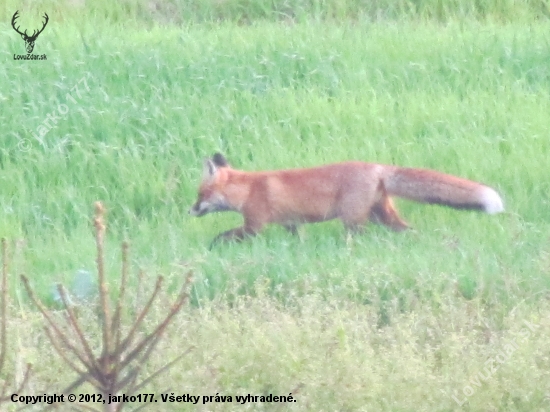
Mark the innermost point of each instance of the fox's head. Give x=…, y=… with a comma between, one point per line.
x=211, y=197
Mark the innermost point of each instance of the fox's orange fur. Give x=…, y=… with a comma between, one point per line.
x=354, y=192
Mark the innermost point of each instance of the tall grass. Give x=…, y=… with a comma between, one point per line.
x=471, y=100
x=248, y=11
x=378, y=321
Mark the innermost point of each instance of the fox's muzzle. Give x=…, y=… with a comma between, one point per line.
x=203, y=207
x=197, y=211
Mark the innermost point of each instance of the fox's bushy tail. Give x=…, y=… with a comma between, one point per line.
x=429, y=186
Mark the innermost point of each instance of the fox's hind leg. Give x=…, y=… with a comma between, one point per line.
x=355, y=209
x=384, y=212
x=370, y=204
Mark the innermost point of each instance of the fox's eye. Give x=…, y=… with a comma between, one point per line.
x=203, y=194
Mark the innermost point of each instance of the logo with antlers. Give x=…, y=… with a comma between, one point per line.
x=29, y=40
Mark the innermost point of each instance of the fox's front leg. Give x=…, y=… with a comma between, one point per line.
x=238, y=234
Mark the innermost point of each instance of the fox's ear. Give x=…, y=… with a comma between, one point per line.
x=209, y=169
x=219, y=160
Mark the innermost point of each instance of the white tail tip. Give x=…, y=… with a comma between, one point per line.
x=491, y=200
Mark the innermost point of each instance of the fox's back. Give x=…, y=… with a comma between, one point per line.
x=310, y=194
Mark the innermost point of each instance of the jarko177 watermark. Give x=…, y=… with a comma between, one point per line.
x=56, y=115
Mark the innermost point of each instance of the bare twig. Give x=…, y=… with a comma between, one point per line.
x=130, y=337
x=61, y=352
x=73, y=322
x=161, y=370
x=4, y=330
x=182, y=298
x=55, y=327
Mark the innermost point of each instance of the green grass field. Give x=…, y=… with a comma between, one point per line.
x=378, y=321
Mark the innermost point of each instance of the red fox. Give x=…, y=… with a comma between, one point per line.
x=354, y=192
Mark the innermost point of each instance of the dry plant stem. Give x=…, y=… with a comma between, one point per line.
x=3, y=392
x=182, y=299
x=161, y=370
x=149, y=343
x=83, y=378
x=60, y=335
x=4, y=328
x=99, y=224
x=116, y=329
x=26, y=377
x=71, y=318
x=62, y=353
x=156, y=334
x=3, y=304
x=128, y=340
